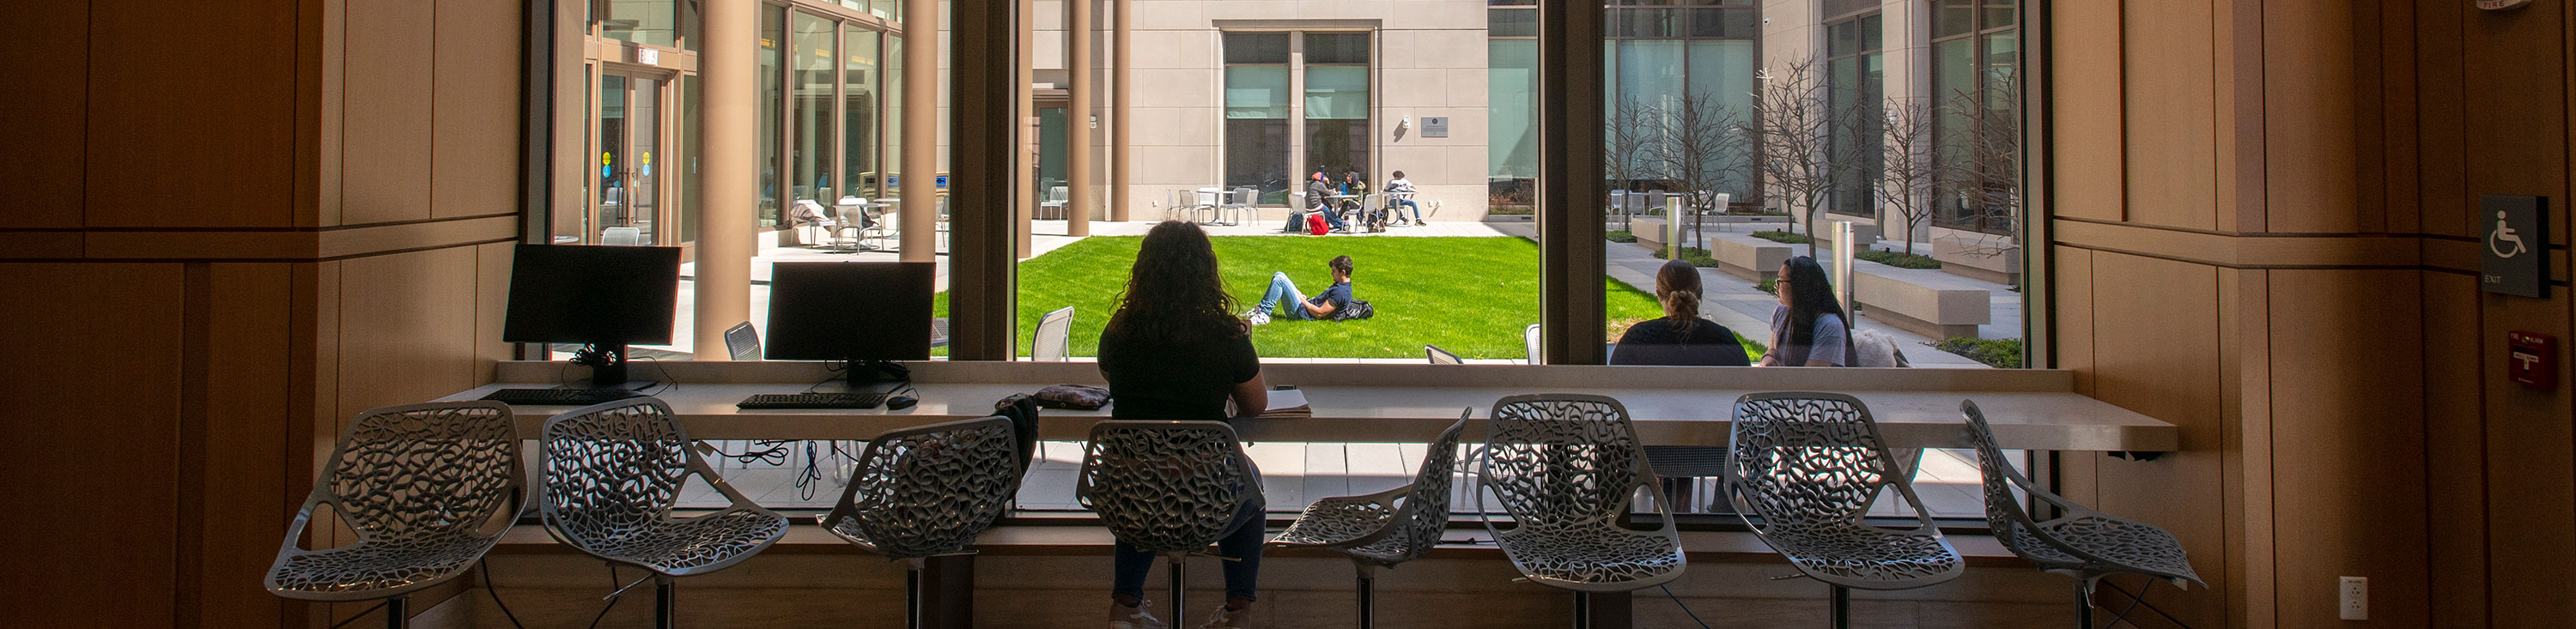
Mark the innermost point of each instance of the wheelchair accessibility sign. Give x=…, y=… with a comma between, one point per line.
x=2515, y=245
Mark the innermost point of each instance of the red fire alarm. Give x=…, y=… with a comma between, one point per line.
x=2531, y=359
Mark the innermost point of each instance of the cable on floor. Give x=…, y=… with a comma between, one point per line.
x=486, y=565
x=361, y=614
x=614, y=586
x=1677, y=602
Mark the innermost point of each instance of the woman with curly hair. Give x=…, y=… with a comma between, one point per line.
x=1172, y=351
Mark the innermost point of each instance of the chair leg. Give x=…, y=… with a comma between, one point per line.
x=1177, y=566
x=1582, y=610
x=665, y=614
x=397, y=612
x=2083, y=605
x=1368, y=600
x=912, y=598
x=1842, y=607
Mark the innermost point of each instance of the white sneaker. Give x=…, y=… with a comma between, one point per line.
x=1228, y=619
x=1124, y=617
x=1256, y=317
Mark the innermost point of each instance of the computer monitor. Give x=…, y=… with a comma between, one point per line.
x=866, y=313
x=603, y=297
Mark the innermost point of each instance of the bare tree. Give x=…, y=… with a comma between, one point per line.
x=1907, y=174
x=1793, y=125
x=1625, y=144
x=1980, y=165
x=1698, y=143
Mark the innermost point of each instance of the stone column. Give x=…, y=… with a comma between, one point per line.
x=1120, y=29
x=1077, y=119
x=920, y=185
x=729, y=65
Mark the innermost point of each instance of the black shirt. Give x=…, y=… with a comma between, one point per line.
x=1160, y=379
x=1667, y=331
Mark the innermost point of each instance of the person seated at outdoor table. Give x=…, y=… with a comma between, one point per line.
x=1677, y=287
x=1316, y=191
x=1283, y=292
x=1354, y=187
x=1807, y=329
x=1171, y=352
x=1400, y=186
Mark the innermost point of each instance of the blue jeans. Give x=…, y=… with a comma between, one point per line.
x=1243, y=545
x=1283, y=292
x=1399, y=213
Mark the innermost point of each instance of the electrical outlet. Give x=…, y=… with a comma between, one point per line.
x=2355, y=593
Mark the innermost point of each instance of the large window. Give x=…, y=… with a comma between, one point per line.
x=1856, y=84
x=773, y=99
x=860, y=124
x=1975, y=52
x=809, y=156
x=1337, y=104
x=1256, y=113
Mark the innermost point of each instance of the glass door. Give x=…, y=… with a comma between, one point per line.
x=625, y=209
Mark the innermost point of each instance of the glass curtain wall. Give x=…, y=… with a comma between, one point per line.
x=1976, y=133
x=1855, y=87
x=1337, y=105
x=1256, y=114
x=809, y=155
x=893, y=125
x=859, y=122
x=773, y=99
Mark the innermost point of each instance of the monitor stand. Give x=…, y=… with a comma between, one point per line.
x=876, y=375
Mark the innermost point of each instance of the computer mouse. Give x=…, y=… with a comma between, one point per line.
x=899, y=402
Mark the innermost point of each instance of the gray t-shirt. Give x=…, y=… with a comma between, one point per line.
x=1832, y=343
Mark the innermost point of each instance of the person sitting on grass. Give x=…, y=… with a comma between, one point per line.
x=1284, y=292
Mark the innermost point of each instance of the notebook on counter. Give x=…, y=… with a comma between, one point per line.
x=1287, y=402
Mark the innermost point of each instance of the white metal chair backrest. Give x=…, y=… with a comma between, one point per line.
x=1440, y=356
x=1057, y=193
x=622, y=236
x=1243, y=196
x=1529, y=340
x=1209, y=197
x=1054, y=336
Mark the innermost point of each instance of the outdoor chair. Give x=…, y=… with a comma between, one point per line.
x=1566, y=468
x=1529, y=343
x=1388, y=527
x=2084, y=544
x=622, y=236
x=742, y=342
x=1240, y=206
x=1055, y=200
x=927, y=491
x=1054, y=336
x=1809, y=465
x=427, y=488
x=1167, y=487
x=1440, y=356
x=612, y=473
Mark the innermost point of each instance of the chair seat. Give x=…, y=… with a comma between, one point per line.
x=2123, y=545
x=375, y=569
x=1860, y=557
x=684, y=545
x=1612, y=558
x=1335, y=522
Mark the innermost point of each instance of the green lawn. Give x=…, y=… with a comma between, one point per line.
x=1472, y=296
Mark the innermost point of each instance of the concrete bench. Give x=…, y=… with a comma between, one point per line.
x=1737, y=254
x=1923, y=301
x=1981, y=256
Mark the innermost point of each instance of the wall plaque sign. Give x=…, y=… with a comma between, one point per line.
x=2514, y=240
x=1435, y=126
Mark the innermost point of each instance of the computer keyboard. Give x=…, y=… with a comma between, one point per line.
x=559, y=397
x=813, y=400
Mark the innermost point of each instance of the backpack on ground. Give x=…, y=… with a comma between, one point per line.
x=1315, y=225
x=1357, y=309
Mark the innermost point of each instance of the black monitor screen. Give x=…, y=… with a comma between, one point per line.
x=849, y=311
x=592, y=294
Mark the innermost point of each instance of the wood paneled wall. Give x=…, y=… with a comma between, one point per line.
x=215, y=250
x=2264, y=232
